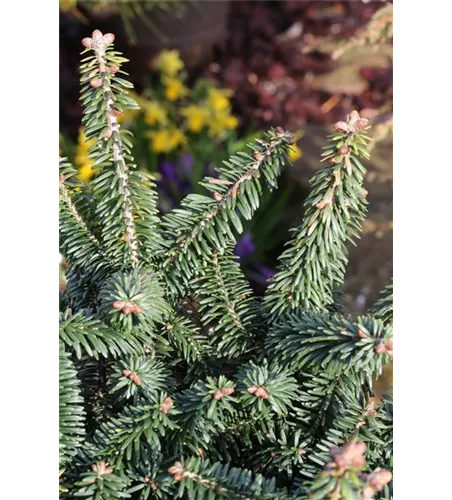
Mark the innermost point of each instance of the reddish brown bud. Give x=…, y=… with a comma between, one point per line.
x=96, y=83
x=218, y=395
x=115, y=112
x=361, y=124
x=343, y=150
x=352, y=454
x=217, y=196
x=361, y=334
x=252, y=390
x=101, y=469
x=177, y=471
x=322, y=204
x=379, y=478
x=166, y=405
x=175, y=468
x=118, y=305
x=128, y=308
x=380, y=348
x=112, y=69
x=87, y=42
x=353, y=117
x=368, y=493
x=135, y=378
x=109, y=38
x=261, y=393
x=136, y=309
x=97, y=35
x=389, y=344
x=290, y=138
x=127, y=373
x=227, y=391
x=279, y=131
x=341, y=127
x=371, y=411
x=364, y=193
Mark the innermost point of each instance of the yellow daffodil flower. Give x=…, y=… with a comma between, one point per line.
x=196, y=117
x=220, y=122
x=295, y=153
x=231, y=122
x=155, y=113
x=85, y=163
x=166, y=140
x=86, y=172
x=169, y=62
x=218, y=99
x=174, y=88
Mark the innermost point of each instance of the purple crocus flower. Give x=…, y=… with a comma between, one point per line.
x=187, y=162
x=168, y=171
x=245, y=246
x=265, y=272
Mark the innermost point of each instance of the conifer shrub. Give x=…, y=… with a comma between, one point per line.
x=175, y=380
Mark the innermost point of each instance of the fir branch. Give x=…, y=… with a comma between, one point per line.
x=227, y=303
x=184, y=337
x=136, y=376
x=134, y=298
x=86, y=335
x=199, y=479
x=101, y=484
x=344, y=477
x=382, y=309
x=313, y=265
x=135, y=433
x=127, y=202
x=72, y=414
x=265, y=388
x=79, y=245
x=202, y=224
x=328, y=341
x=377, y=433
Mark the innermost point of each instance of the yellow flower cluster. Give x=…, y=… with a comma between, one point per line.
x=169, y=62
x=86, y=171
x=166, y=140
x=295, y=153
x=214, y=113
x=175, y=110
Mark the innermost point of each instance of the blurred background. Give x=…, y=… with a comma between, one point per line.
x=211, y=75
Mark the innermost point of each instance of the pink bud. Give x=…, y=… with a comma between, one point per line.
x=97, y=35
x=341, y=127
x=353, y=117
x=87, y=43
x=380, y=348
x=96, y=83
x=128, y=308
x=109, y=38
x=361, y=124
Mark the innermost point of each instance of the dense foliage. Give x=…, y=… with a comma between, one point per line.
x=175, y=380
